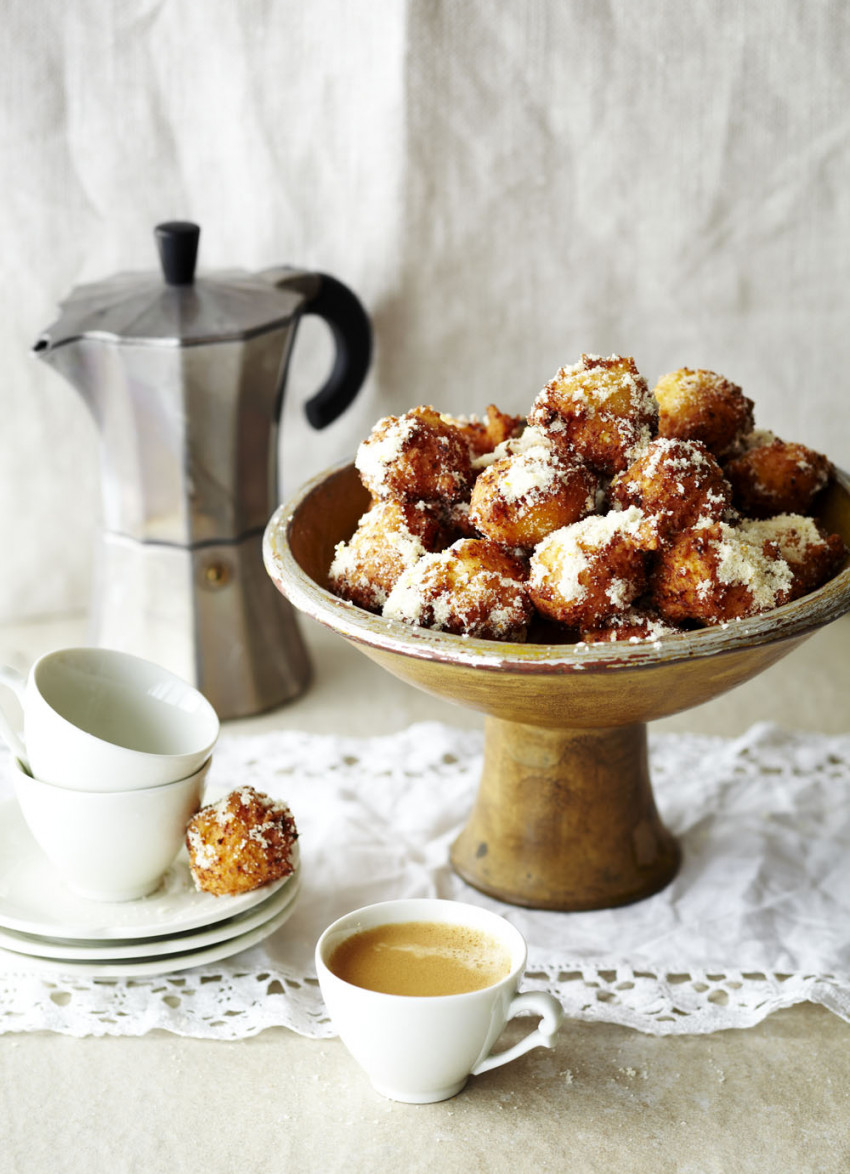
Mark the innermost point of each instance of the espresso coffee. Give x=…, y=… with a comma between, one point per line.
x=421, y=958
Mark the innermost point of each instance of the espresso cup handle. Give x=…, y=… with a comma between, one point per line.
x=16, y=682
x=551, y=1017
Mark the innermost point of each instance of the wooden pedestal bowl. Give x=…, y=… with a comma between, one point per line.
x=565, y=816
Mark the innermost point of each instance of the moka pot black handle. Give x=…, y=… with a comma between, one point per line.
x=333, y=302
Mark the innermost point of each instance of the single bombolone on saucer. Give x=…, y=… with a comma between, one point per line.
x=240, y=843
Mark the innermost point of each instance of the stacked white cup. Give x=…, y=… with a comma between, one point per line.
x=110, y=761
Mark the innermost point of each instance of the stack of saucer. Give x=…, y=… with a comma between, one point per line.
x=176, y=927
x=108, y=768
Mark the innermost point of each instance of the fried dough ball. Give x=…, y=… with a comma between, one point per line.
x=777, y=478
x=602, y=408
x=716, y=573
x=244, y=841
x=390, y=537
x=474, y=588
x=635, y=624
x=813, y=555
x=415, y=457
x=700, y=405
x=520, y=499
x=483, y=436
x=606, y=492
x=676, y=483
x=585, y=573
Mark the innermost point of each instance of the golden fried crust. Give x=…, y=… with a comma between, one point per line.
x=777, y=478
x=585, y=573
x=717, y=573
x=813, y=555
x=676, y=483
x=517, y=501
x=416, y=457
x=240, y=843
x=483, y=436
x=601, y=408
x=701, y=405
x=390, y=537
x=474, y=588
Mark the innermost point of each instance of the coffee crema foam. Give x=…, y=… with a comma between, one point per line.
x=421, y=958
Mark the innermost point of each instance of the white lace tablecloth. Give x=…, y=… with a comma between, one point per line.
x=757, y=919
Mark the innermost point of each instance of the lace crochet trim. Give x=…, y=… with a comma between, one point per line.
x=757, y=920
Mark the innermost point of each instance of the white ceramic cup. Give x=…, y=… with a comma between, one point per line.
x=109, y=846
x=101, y=720
x=421, y=1049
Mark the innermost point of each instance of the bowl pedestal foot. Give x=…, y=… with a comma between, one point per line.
x=565, y=819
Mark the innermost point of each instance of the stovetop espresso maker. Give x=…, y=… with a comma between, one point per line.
x=185, y=378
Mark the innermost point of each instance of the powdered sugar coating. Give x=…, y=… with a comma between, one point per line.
x=471, y=589
x=602, y=408
x=811, y=554
x=717, y=572
x=634, y=625
x=240, y=843
x=419, y=456
x=584, y=573
x=591, y=450
x=677, y=483
x=526, y=495
x=529, y=438
x=702, y=405
x=390, y=537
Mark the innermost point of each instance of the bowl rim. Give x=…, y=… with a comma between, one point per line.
x=791, y=621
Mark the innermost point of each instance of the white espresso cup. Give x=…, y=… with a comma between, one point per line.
x=96, y=719
x=423, y=1048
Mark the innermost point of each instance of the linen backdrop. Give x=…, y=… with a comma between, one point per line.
x=505, y=183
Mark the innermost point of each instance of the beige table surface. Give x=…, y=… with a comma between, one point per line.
x=775, y=1097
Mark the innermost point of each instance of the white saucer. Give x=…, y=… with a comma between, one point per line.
x=161, y=964
x=33, y=899
x=93, y=951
